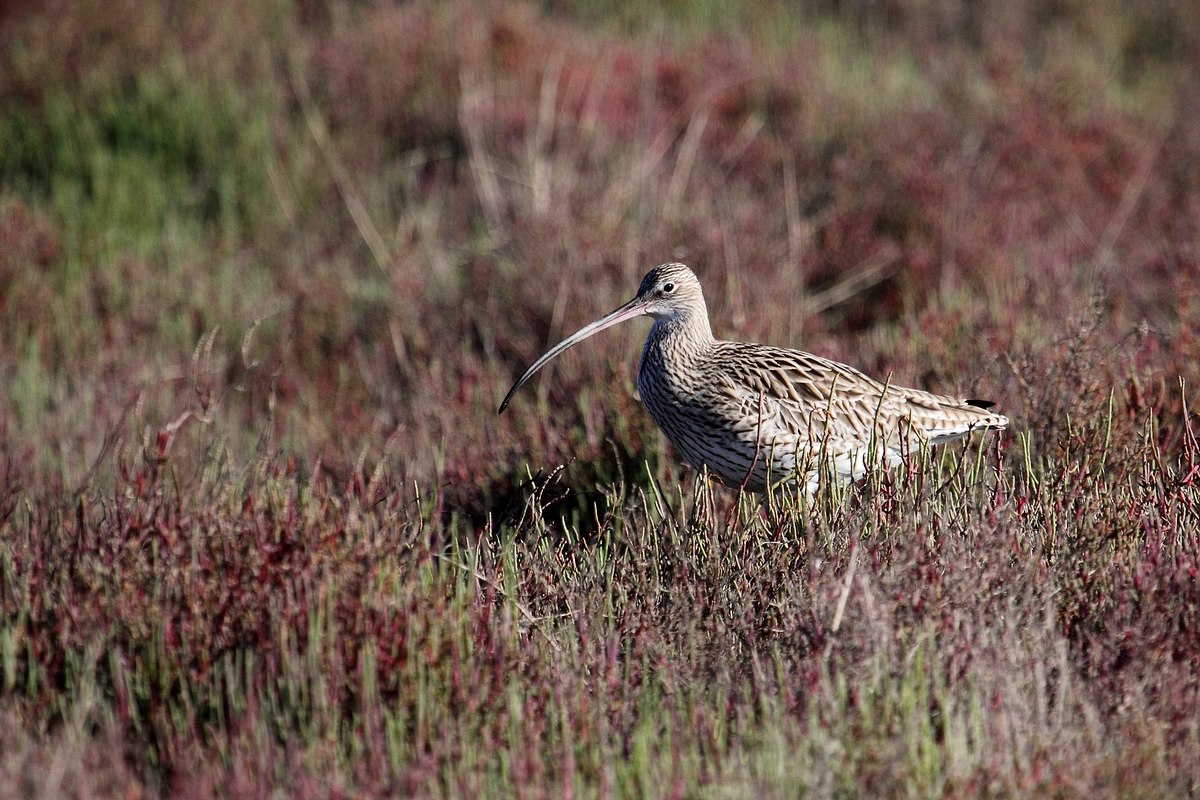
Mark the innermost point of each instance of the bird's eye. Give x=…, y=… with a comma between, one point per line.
x=668, y=288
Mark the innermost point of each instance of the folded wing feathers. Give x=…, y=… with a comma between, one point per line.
x=809, y=393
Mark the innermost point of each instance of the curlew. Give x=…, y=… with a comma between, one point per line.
x=755, y=415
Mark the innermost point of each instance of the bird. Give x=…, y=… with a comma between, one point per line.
x=757, y=416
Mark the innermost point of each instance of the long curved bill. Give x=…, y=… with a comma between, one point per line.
x=634, y=308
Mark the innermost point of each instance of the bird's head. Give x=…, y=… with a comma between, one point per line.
x=670, y=292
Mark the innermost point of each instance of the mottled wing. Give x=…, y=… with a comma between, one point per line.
x=818, y=403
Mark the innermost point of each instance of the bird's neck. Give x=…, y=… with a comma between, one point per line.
x=680, y=337
x=673, y=359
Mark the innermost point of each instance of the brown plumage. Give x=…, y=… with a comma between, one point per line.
x=756, y=415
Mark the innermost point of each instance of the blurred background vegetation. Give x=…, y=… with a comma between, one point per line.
x=366, y=217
